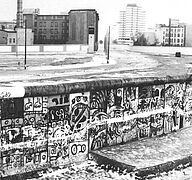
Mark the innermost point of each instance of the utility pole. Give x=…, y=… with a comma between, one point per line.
x=169, y=31
x=108, y=47
x=25, y=61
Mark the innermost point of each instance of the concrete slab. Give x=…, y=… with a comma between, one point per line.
x=149, y=156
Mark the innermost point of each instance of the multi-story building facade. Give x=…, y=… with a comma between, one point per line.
x=171, y=35
x=132, y=21
x=8, y=37
x=82, y=22
x=51, y=29
x=48, y=29
x=61, y=29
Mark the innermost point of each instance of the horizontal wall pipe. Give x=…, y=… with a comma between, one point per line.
x=75, y=87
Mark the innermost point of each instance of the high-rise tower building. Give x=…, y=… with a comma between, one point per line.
x=132, y=21
x=19, y=13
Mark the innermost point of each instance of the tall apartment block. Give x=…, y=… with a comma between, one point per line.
x=132, y=21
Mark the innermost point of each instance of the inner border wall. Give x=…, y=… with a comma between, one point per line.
x=44, y=48
x=56, y=125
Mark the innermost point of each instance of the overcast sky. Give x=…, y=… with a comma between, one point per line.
x=157, y=11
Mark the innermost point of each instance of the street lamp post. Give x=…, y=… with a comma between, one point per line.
x=108, y=47
x=25, y=61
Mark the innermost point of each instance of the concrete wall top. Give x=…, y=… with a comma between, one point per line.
x=66, y=88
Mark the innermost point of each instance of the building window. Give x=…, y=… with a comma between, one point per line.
x=51, y=31
x=63, y=24
x=35, y=24
x=13, y=40
x=44, y=31
x=51, y=24
x=52, y=37
x=10, y=40
x=44, y=24
x=178, y=40
x=56, y=24
x=56, y=31
x=178, y=35
x=40, y=31
x=40, y=24
x=63, y=31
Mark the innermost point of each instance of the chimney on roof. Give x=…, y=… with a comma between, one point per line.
x=19, y=13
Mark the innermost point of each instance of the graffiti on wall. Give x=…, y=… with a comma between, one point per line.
x=38, y=132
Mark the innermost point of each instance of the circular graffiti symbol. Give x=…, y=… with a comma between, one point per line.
x=74, y=148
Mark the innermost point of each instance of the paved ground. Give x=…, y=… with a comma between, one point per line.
x=70, y=67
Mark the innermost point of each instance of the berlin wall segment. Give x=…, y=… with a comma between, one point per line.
x=57, y=129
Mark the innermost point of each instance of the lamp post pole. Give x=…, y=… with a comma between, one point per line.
x=108, y=46
x=25, y=61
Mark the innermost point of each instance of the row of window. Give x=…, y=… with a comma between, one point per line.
x=174, y=29
x=53, y=24
x=175, y=41
x=53, y=17
x=52, y=31
x=11, y=40
x=52, y=37
x=174, y=35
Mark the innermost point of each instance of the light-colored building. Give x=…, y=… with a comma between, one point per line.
x=132, y=21
x=20, y=36
x=11, y=38
x=188, y=36
x=7, y=37
x=173, y=34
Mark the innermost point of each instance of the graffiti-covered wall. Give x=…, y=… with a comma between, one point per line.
x=55, y=130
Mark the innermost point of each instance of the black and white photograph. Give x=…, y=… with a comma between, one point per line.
x=95, y=90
